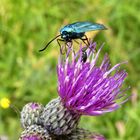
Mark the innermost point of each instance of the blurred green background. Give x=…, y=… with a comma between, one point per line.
x=27, y=75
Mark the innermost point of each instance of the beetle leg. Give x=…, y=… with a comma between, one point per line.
x=61, y=48
x=69, y=46
x=85, y=39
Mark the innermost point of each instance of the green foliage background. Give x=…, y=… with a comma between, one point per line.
x=27, y=75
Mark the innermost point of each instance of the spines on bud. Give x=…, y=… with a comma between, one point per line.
x=30, y=114
x=81, y=134
x=35, y=132
x=58, y=119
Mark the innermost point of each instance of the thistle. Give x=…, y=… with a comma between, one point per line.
x=84, y=89
x=30, y=114
x=88, y=89
x=57, y=119
x=35, y=132
x=82, y=134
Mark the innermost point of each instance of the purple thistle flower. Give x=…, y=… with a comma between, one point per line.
x=31, y=138
x=86, y=88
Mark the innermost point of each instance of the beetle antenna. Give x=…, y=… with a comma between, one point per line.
x=49, y=43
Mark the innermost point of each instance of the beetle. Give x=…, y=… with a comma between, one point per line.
x=84, y=56
x=76, y=30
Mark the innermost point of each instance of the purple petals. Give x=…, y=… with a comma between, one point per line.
x=87, y=88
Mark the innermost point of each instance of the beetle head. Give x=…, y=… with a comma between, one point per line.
x=66, y=36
